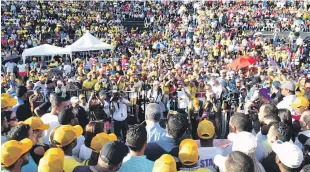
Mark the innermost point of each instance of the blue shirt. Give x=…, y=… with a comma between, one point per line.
x=31, y=166
x=20, y=101
x=154, y=132
x=136, y=164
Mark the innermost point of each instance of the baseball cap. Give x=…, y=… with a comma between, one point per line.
x=36, y=123
x=113, y=137
x=99, y=141
x=276, y=84
x=300, y=102
x=65, y=134
x=52, y=161
x=74, y=99
x=8, y=102
x=188, y=152
x=166, y=163
x=113, y=152
x=289, y=153
x=244, y=142
x=205, y=129
x=265, y=92
x=288, y=85
x=12, y=150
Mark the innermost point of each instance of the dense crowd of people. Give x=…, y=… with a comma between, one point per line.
x=171, y=96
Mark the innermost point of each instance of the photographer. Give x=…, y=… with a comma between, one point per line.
x=96, y=107
x=212, y=108
x=119, y=115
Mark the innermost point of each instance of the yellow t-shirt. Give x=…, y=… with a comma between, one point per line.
x=88, y=84
x=70, y=163
x=198, y=170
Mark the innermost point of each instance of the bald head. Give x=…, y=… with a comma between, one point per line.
x=305, y=120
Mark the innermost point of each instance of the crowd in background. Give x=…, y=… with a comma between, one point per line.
x=167, y=97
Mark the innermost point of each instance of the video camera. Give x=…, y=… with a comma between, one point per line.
x=115, y=97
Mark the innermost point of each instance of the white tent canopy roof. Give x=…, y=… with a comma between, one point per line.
x=45, y=50
x=88, y=43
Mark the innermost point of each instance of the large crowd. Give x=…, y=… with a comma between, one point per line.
x=200, y=87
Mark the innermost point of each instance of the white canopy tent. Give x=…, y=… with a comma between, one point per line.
x=45, y=50
x=88, y=43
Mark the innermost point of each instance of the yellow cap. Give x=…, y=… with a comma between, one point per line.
x=52, y=161
x=81, y=96
x=36, y=123
x=205, y=129
x=188, y=152
x=65, y=134
x=166, y=163
x=112, y=137
x=99, y=141
x=300, y=102
x=6, y=95
x=12, y=150
x=8, y=102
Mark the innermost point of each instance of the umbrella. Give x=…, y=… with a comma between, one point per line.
x=258, y=34
x=242, y=62
x=14, y=58
x=158, y=46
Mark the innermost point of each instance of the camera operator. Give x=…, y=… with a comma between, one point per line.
x=119, y=115
x=96, y=107
x=212, y=108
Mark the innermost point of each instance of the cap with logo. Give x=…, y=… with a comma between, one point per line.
x=300, y=102
x=166, y=163
x=113, y=152
x=36, y=123
x=288, y=153
x=12, y=150
x=52, y=161
x=205, y=129
x=99, y=141
x=65, y=134
x=188, y=152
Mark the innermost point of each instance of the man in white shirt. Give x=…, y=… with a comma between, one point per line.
x=207, y=152
x=305, y=126
x=9, y=66
x=288, y=89
x=119, y=115
x=152, y=118
x=52, y=117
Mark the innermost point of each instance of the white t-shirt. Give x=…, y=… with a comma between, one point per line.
x=85, y=153
x=106, y=108
x=120, y=113
x=76, y=149
x=10, y=67
x=52, y=120
x=67, y=68
x=206, y=156
x=21, y=68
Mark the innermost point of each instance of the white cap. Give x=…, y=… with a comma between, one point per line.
x=74, y=99
x=289, y=154
x=219, y=160
x=70, y=80
x=244, y=142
